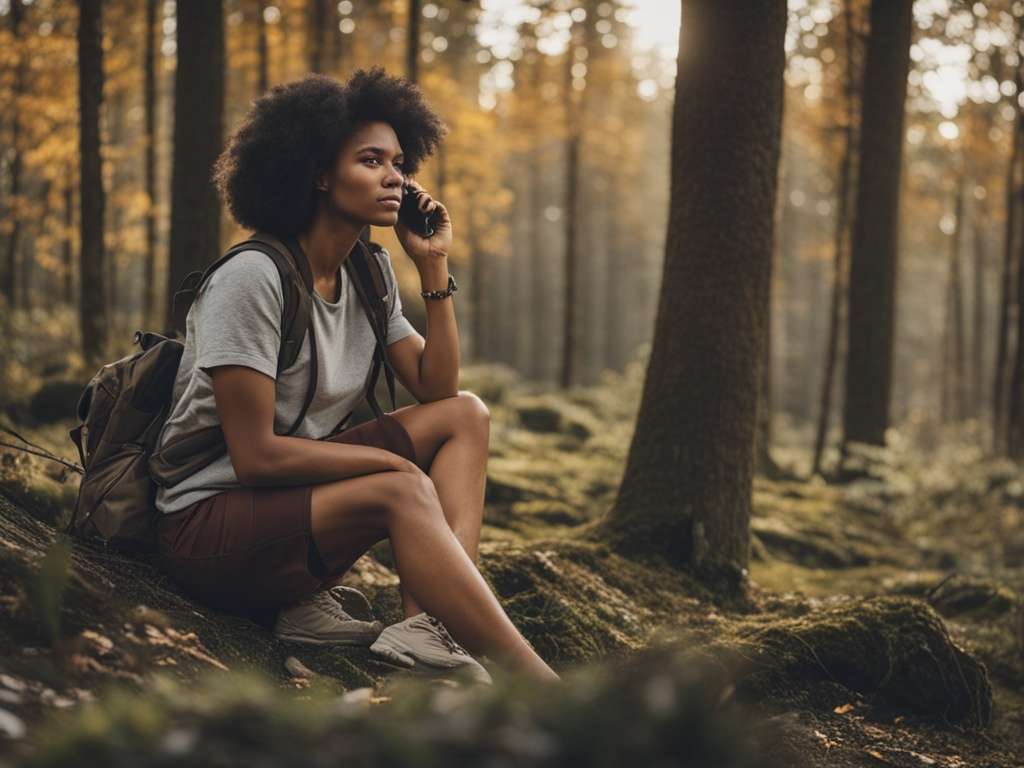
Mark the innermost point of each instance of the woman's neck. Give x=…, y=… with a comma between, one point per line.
x=327, y=243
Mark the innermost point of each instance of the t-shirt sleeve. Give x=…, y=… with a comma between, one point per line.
x=238, y=319
x=398, y=324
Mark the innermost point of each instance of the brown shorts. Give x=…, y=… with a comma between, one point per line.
x=248, y=550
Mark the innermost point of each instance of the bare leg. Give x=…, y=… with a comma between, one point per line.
x=451, y=438
x=349, y=516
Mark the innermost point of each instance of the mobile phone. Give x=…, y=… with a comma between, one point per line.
x=423, y=224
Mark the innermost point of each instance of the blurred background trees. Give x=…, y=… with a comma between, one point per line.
x=557, y=175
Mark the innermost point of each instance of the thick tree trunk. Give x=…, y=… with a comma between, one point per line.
x=198, y=128
x=149, y=314
x=93, y=294
x=686, y=492
x=876, y=224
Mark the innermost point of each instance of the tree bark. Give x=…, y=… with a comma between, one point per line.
x=15, y=207
x=1008, y=298
x=567, y=370
x=839, y=276
x=68, y=245
x=262, y=56
x=978, y=342
x=198, y=129
x=317, y=24
x=149, y=314
x=876, y=223
x=412, y=43
x=686, y=492
x=92, y=199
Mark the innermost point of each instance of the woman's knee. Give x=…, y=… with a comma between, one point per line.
x=473, y=411
x=412, y=493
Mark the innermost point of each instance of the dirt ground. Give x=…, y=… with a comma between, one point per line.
x=883, y=624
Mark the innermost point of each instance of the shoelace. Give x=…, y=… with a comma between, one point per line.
x=438, y=629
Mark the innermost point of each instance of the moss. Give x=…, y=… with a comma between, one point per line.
x=895, y=650
x=591, y=719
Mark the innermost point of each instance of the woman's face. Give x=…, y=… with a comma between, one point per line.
x=368, y=168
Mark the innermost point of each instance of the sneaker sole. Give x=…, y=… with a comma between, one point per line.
x=361, y=637
x=423, y=669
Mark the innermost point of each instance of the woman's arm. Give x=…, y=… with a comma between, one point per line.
x=245, y=406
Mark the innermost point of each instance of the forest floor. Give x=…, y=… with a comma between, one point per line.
x=883, y=626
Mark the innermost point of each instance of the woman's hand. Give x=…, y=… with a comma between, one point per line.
x=402, y=464
x=426, y=250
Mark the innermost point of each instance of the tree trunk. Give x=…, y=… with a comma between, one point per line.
x=567, y=372
x=1015, y=436
x=978, y=344
x=93, y=298
x=875, y=227
x=317, y=24
x=839, y=276
x=68, y=245
x=686, y=492
x=412, y=43
x=1008, y=299
x=262, y=56
x=15, y=208
x=959, y=378
x=149, y=314
x=540, y=327
x=198, y=128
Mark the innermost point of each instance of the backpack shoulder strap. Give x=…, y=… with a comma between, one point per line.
x=364, y=268
x=296, y=314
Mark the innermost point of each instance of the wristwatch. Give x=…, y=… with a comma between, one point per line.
x=452, y=288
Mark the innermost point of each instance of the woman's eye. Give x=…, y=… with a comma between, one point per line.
x=399, y=166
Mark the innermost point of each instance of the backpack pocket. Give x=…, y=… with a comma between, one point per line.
x=109, y=499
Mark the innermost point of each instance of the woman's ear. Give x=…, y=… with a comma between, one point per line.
x=321, y=182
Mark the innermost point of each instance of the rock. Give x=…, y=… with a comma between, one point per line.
x=297, y=669
x=544, y=413
x=55, y=401
x=11, y=726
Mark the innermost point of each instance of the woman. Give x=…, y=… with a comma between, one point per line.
x=266, y=527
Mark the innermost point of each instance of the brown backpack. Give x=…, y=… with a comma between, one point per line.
x=123, y=407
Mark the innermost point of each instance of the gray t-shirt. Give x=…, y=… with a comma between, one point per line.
x=236, y=320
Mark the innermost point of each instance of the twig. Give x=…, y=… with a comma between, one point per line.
x=931, y=592
x=49, y=456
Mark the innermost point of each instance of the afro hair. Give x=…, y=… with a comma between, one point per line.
x=294, y=132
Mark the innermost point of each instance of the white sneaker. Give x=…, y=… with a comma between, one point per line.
x=322, y=619
x=422, y=642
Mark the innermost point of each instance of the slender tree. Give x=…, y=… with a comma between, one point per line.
x=573, y=109
x=686, y=492
x=149, y=317
x=93, y=293
x=15, y=15
x=875, y=227
x=952, y=379
x=978, y=344
x=262, y=55
x=1007, y=282
x=839, y=271
x=198, y=129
